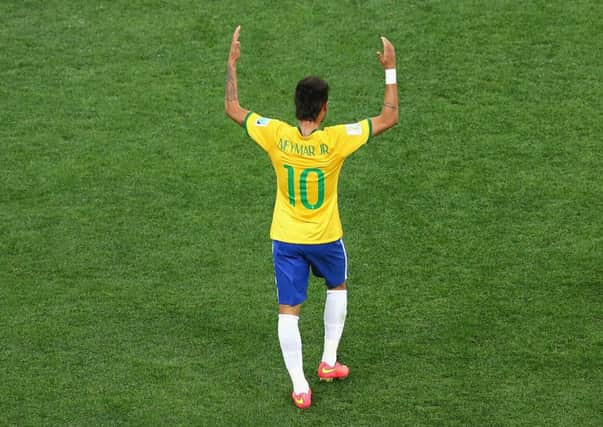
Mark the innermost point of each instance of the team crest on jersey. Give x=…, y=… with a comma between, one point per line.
x=354, y=129
x=262, y=121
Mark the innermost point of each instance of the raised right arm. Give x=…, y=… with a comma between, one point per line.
x=389, y=110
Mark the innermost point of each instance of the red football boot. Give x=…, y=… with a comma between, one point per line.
x=302, y=400
x=328, y=373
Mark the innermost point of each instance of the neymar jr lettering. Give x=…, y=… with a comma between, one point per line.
x=304, y=150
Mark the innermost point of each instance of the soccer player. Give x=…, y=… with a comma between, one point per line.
x=306, y=230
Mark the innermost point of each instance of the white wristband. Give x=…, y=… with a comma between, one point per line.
x=390, y=76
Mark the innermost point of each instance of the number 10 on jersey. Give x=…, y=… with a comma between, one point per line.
x=301, y=182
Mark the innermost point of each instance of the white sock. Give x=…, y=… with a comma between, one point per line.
x=335, y=312
x=291, y=346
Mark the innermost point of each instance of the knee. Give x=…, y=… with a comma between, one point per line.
x=341, y=287
x=293, y=310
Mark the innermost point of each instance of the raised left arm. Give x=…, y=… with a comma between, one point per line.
x=389, y=111
x=232, y=107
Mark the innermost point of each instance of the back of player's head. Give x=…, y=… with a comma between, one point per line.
x=311, y=94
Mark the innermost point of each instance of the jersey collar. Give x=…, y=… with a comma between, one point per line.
x=306, y=136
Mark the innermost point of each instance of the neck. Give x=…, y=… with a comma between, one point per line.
x=308, y=126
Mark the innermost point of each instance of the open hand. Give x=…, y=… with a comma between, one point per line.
x=388, y=57
x=235, y=46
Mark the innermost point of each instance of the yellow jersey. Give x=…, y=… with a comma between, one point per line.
x=307, y=172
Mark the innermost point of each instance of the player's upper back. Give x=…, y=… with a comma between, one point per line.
x=329, y=145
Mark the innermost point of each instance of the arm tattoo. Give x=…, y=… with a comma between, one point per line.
x=231, y=86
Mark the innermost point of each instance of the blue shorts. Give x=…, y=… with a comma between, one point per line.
x=292, y=264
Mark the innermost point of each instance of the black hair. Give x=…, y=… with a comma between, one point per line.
x=311, y=94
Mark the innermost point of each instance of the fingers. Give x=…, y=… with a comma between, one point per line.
x=237, y=32
x=387, y=45
x=387, y=56
x=235, y=45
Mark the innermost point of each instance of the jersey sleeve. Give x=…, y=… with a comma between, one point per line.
x=351, y=137
x=262, y=130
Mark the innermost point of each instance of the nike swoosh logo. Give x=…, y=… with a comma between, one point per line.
x=299, y=401
x=327, y=371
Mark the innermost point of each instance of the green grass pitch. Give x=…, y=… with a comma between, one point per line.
x=136, y=283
